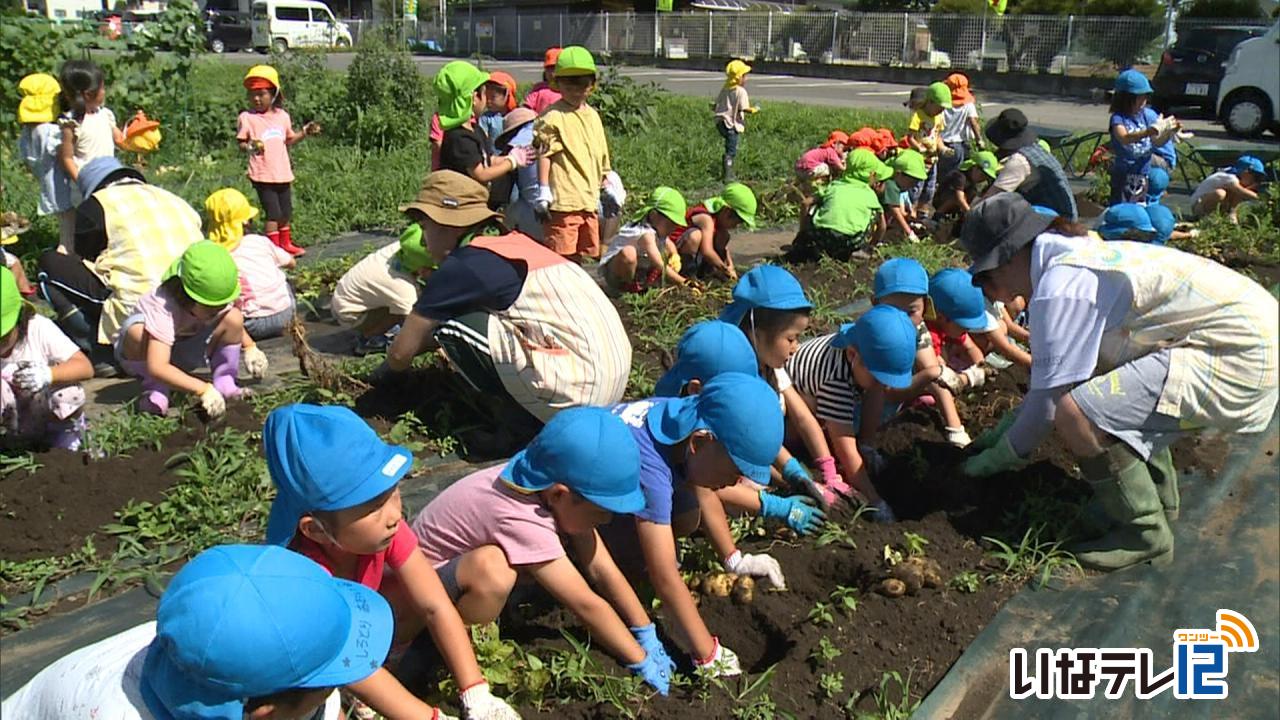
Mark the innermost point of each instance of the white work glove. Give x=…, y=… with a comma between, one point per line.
x=722, y=663
x=480, y=704
x=950, y=379
x=212, y=401
x=520, y=156
x=542, y=203
x=976, y=375
x=32, y=377
x=912, y=236
x=255, y=361
x=1183, y=136
x=756, y=566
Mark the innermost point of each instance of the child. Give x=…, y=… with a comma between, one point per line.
x=242, y=631
x=924, y=135
x=39, y=145
x=960, y=315
x=40, y=372
x=833, y=373
x=960, y=188
x=265, y=301
x=88, y=128
x=1126, y=221
x=706, y=349
x=500, y=526
x=338, y=503
x=1224, y=190
x=378, y=292
x=517, y=132
x=187, y=322
x=544, y=94
x=1135, y=130
x=1163, y=221
x=14, y=265
x=823, y=162
x=573, y=161
x=959, y=125
x=1157, y=184
x=845, y=214
x=265, y=132
x=704, y=244
x=909, y=171
x=642, y=254
x=499, y=99
x=689, y=448
x=460, y=96
x=731, y=108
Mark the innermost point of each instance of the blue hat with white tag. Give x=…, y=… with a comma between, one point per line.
x=1248, y=163
x=901, y=275
x=1126, y=221
x=955, y=296
x=325, y=457
x=590, y=451
x=706, y=350
x=765, y=286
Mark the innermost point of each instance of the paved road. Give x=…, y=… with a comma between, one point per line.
x=1064, y=113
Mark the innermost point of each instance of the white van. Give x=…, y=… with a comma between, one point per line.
x=1249, y=96
x=284, y=24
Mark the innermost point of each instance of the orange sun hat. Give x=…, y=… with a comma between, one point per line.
x=836, y=136
x=500, y=78
x=959, y=85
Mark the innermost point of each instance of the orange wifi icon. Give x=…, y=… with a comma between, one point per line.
x=1237, y=632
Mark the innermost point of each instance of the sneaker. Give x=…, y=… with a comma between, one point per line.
x=371, y=345
x=957, y=437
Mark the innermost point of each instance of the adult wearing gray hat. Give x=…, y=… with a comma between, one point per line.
x=1028, y=168
x=1134, y=344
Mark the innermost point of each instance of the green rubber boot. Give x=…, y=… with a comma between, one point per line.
x=1165, y=476
x=1093, y=522
x=1128, y=497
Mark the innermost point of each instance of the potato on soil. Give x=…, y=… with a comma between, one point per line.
x=744, y=590
x=694, y=583
x=892, y=587
x=918, y=572
x=719, y=584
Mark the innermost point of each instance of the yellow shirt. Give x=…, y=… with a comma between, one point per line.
x=928, y=130
x=574, y=140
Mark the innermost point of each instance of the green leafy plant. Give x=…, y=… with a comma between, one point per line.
x=626, y=106
x=968, y=581
x=824, y=652
x=835, y=534
x=845, y=599
x=821, y=614
x=831, y=684
x=892, y=556
x=22, y=462
x=892, y=698
x=1032, y=557
x=126, y=429
x=915, y=543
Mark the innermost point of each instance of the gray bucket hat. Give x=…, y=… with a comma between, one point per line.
x=997, y=228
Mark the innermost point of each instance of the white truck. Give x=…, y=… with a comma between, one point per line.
x=1249, y=96
x=63, y=9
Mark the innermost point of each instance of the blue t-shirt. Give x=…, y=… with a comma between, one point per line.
x=1132, y=159
x=663, y=484
x=491, y=127
x=471, y=279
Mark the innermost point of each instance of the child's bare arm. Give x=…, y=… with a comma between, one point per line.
x=1240, y=192
x=658, y=544
x=72, y=370
x=67, y=153
x=973, y=351
x=873, y=401
x=384, y=693
x=740, y=498
x=565, y=583
x=900, y=219
x=162, y=368
x=1000, y=343
x=715, y=523
x=416, y=336
x=603, y=573
x=117, y=136
x=707, y=244
x=544, y=169
x=431, y=602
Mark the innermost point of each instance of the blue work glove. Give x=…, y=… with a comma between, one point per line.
x=647, y=636
x=797, y=476
x=990, y=438
x=798, y=512
x=657, y=666
x=998, y=459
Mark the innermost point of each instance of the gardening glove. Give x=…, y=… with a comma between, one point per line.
x=798, y=512
x=655, y=670
x=912, y=237
x=212, y=401
x=480, y=704
x=883, y=513
x=520, y=156
x=311, y=129
x=1183, y=136
x=795, y=475
x=542, y=203
x=998, y=459
x=722, y=662
x=950, y=379
x=647, y=636
x=988, y=439
x=756, y=566
x=255, y=361
x=32, y=377
x=976, y=375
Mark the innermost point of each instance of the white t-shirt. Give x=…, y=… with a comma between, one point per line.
x=98, y=682
x=955, y=123
x=371, y=284
x=783, y=379
x=44, y=343
x=1015, y=171
x=95, y=136
x=1220, y=179
x=628, y=236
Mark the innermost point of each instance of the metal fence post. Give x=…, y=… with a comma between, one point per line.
x=519, y=36
x=561, y=29
x=768, y=43
x=835, y=30
x=606, y=33
x=1066, y=57
x=710, y=36
x=906, y=19
x=657, y=34
x=494, y=44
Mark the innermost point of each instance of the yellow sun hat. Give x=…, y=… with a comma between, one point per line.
x=39, y=98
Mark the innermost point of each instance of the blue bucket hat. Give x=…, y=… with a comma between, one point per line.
x=706, y=350
x=1163, y=221
x=901, y=275
x=765, y=286
x=1120, y=221
x=99, y=170
x=249, y=621
x=1248, y=163
x=590, y=451
x=740, y=410
x=954, y=295
x=1157, y=183
x=886, y=342
x=1045, y=211
x=1133, y=82
x=324, y=458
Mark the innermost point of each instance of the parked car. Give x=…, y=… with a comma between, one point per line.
x=1191, y=69
x=227, y=31
x=1249, y=98
x=283, y=24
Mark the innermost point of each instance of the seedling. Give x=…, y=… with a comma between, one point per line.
x=915, y=543
x=966, y=582
x=892, y=555
x=887, y=707
x=845, y=598
x=836, y=534
x=821, y=614
x=824, y=652
x=1032, y=557
x=831, y=684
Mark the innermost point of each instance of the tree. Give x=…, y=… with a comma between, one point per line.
x=1223, y=9
x=1122, y=48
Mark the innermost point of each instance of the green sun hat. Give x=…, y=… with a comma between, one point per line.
x=940, y=93
x=10, y=301
x=455, y=85
x=740, y=198
x=413, y=254
x=862, y=164
x=575, y=60
x=209, y=274
x=911, y=163
x=669, y=202
x=984, y=159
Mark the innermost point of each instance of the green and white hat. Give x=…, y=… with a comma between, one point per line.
x=208, y=272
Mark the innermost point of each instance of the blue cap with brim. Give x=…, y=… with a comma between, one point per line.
x=325, y=458
x=249, y=621
x=740, y=410
x=1248, y=163
x=706, y=350
x=1121, y=221
x=765, y=286
x=99, y=170
x=955, y=296
x=1163, y=221
x=901, y=275
x=886, y=342
x=591, y=452
x=1157, y=183
x=1133, y=82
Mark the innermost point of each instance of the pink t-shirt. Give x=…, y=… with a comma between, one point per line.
x=166, y=321
x=272, y=128
x=437, y=140
x=540, y=98
x=831, y=157
x=369, y=568
x=482, y=509
x=264, y=289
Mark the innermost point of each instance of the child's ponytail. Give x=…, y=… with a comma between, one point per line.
x=79, y=78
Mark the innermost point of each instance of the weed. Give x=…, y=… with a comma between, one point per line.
x=18, y=463
x=845, y=599
x=751, y=698
x=887, y=707
x=835, y=534
x=966, y=582
x=127, y=429
x=1032, y=557
x=825, y=652
x=933, y=256
x=831, y=684
x=821, y=614
x=915, y=543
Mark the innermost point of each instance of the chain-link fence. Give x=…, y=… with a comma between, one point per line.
x=1011, y=43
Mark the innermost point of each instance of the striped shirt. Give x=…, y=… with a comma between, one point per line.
x=822, y=372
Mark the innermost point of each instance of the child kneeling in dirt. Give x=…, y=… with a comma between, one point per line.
x=899, y=213
x=960, y=311
x=503, y=525
x=378, y=292
x=338, y=503
x=834, y=374
x=186, y=323
x=265, y=301
x=1223, y=191
x=823, y=163
x=40, y=371
x=704, y=244
x=642, y=254
x=962, y=187
x=689, y=448
x=846, y=212
x=242, y=631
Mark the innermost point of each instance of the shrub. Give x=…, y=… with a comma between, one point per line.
x=1223, y=9
x=626, y=106
x=386, y=104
